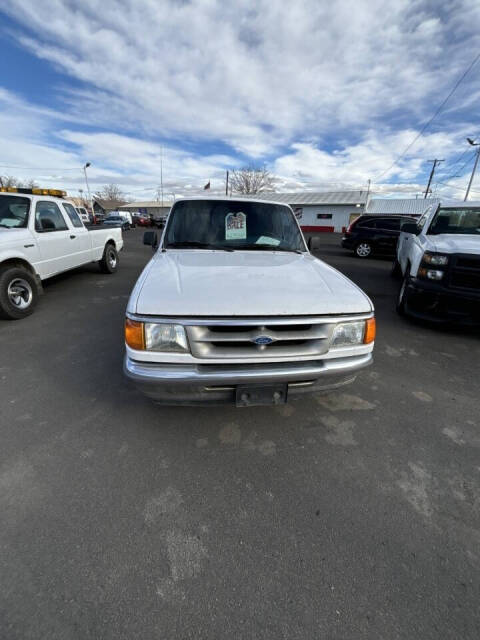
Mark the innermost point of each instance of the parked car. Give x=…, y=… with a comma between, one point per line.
x=144, y=221
x=438, y=259
x=40, y=236
x=159, y=222
x=233, y=308
x=374, y=235
x=126, y=215
x=117, y=221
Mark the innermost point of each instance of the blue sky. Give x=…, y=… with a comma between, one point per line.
x=327, y=95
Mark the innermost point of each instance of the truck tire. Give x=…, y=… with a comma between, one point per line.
x=396, y=270
x=18, y=293
x=363, y=250
x=109, y=261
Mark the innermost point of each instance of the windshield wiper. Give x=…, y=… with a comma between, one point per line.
x=266, y=247
x=196, y=245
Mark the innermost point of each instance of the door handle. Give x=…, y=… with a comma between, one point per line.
x=72, y=237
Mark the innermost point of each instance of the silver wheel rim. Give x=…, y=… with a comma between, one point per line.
x=20, y=293
x=112, y=259
x=363, y=250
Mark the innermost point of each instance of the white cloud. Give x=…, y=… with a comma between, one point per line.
x=253, y=76
x=328, y=93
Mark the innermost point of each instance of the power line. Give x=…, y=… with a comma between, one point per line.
x=427, y=124
x=457, y=188
x=462, y=167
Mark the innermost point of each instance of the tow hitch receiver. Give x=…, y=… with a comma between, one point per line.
x=256, y=395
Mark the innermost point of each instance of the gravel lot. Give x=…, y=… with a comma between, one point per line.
x=350, y=515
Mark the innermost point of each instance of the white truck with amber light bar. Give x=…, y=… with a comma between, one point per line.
x=233, y=308
x=41, y=235
x=438, y=259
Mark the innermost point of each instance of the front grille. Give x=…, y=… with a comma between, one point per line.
x=465, y=273
x=237, y=340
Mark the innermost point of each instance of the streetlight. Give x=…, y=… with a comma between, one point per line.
x=85, y=167
x=474, y=144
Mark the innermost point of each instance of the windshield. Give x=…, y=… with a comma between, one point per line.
x=465, y=221
x=14, y=211
x=224, y=224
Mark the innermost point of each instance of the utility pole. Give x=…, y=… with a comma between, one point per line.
x=435, y=163
x=226, y=185
x=85, y=167
x=474, y=144
x=161, y=171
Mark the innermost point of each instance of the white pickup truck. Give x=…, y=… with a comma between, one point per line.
x=438, y=259
x=233, y=308
x=41, y=234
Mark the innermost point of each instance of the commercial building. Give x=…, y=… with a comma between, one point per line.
x=104, y=207
x=153, y=208
x=400, y=206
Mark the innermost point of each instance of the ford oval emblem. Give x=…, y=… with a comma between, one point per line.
x=263, y=340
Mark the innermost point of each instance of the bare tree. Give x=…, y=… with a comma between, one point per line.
x=111, y=192
x=252, y=180
x=12, y=181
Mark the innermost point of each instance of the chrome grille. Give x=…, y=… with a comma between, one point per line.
x=237, y=340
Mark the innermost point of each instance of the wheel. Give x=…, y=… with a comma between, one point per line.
x=18, y=293
x=109, y=261
x=402, y=296
x=363, y=250
x=396, y=270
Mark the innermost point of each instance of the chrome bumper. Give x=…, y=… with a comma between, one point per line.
x=215, y=383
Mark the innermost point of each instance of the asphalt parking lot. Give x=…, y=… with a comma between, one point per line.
x=349, y=515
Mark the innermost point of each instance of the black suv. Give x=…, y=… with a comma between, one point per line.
x=369, y=235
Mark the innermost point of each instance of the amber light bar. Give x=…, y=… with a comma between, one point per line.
x=35, y=191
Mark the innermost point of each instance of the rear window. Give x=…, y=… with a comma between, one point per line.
x=73, y=215
x=14, y=211
x=369, y=223
x=389, y=224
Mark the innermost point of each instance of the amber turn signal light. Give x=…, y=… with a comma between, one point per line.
x=134, y=336
x=370, y=330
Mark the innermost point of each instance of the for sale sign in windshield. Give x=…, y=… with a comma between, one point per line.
x=236, y=226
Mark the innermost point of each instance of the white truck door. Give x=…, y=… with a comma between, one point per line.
x=53, y=238
x=80, y=245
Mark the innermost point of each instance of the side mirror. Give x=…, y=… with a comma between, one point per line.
x=314, y=243
x=410, y=227
x=150, y=238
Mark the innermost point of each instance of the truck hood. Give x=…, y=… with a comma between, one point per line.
x=456, y=243
x=12, y=236
x=243, y=283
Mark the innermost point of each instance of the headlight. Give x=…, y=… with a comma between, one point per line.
x=348, y=333
x=165, y=337
x=430, y=274
x=435, y=258
x=153, y=336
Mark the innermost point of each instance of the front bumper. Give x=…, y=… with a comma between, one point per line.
x=216, y=383
x=432, y=301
